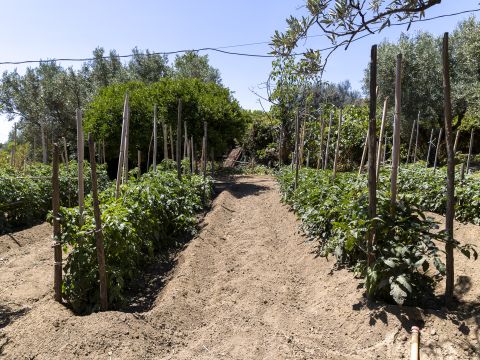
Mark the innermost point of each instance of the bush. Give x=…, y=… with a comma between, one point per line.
x=149, y=217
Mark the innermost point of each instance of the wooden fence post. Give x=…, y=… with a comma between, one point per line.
x=396, y=132
x=380, y=139
x=154, y=138
x=57, y=248
x=102, y=275
x=337, y=146
x=416, y=139
x=122, y=148
x=440, y=133
x=179, y=140
x=470, y=146
x=320, y=152
x=450, y=210
x=410, y=143
x=429, y=147
x=328, y=140
x=80, y=156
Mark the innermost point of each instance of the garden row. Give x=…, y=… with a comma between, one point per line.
x=334, y=211
x=148, y=218
x=26, y=196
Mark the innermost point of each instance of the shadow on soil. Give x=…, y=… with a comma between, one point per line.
x=141, y=297
x=7, y=315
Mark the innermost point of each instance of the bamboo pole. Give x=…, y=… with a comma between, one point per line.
x=396, y=131
x=154, y=138
x=470, y=146
x=372, y=175
x=450, y=210
x=179, y=140
x=122, y=148
x=297, y=139
x=337, y=146
x=328, y=140
x=416, y=139
x=102, y=274
x=57, y=248
x=320, y=152
x=364, y=154
x=410, y=143
x=440, y=133
x=80, y=156
x=415, y=344
x=429, y=147
x=380, y=140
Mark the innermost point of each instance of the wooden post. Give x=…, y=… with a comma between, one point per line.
x=415, y=344
x=212, y=163
x=429, y=147
x=165, y=140
x=295, y=154
x=410, y=143
x=380, y=140
x=372, y=142
x=127, y=135
x=179, y=140
x=364, y=154
x=450, y=210
x=385, y=148
x=44, y=143
x=192, y=156
x=320, y=152
x=416, y=139
x=66, y=152
x=80, y=156
x=139, y=163
x=307, y=164
x=102, y=275
x=396, y=131
x=457, y=136
x=154, y=138
x=470, y=146
x=328, y=140
x=149, y=150
x=440, y=133
x=337, y=146
x=57, y=248
x=302, y=142
x=462, y=172
x=185, y=141
x=122, y=148
x=14, y=148
x=205, y=151
x=171, y=143
x=297, y=140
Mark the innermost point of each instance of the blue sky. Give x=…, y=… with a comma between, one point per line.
x=33, y=29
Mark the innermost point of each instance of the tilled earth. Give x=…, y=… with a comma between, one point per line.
x=248, y=286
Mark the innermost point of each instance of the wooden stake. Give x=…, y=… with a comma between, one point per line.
x=192, y=156
x=440, y=133
x=57, y=248
x=385, y=148
x=66, y=152
x=212, y=163
x=139, y=163
x=165, y=140
x=429, y=147
x=179, y=140
x=297, y=139
x=457, y=136
x=154, y=138
x=185, y=141
x=450, y=210
x=364, y=154
x=127, y=135
x=415, y=344
x=307, y=164
x=372, y=141
x=320, y=151
x=12, y=160
x=302, y=142
x=328, y=140
x=44, y=143
x=102, y=274
x=416, y=139
x=410, y=143
x=470, y=146
x=149, y=150
x=205, y=151
x=337, y=146
x=396, y=132
x=122, y=148
x=380, y=140
x=103, y=152
x=294, y=156
x=171, y=143
x=80, y=156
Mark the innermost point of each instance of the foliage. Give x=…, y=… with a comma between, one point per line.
x=200, y=102
x=334, y=212
x=191, y=65
x=26, y=196
x=260, y=141
x=150, y=216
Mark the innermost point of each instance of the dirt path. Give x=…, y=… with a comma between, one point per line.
x=247, y=287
